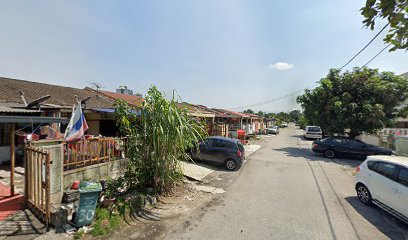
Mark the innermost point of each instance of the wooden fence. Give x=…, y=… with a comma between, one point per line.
x=93, y=151
x=37, y=182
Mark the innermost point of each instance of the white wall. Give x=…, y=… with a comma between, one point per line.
x=370, y=139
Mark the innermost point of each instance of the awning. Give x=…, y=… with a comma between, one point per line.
x=4, y=109
x=32, y=119
x=105, y=110
x=112, y=110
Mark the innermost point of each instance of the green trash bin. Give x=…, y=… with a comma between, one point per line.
x=88, y=198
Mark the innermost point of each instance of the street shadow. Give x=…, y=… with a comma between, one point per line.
x=22, y=224
x=310, y=155
x=300, y=136
x=383, y=221
x=213, y=166
x=147, y=215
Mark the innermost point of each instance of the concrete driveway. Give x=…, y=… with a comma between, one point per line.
x=287, y=192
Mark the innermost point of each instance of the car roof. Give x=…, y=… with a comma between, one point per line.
x=343, y=137
x=312, y=126
x=401, y=160
x=223, y=138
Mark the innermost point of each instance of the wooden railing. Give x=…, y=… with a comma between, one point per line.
x=93, y=151
x=398, y=131
x=37, y=182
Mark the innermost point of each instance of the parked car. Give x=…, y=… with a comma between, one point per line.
x=227, y=151
x=343, y=146
x=314, y=132
x=284, y=124
x=273, y=130
x=383, y=180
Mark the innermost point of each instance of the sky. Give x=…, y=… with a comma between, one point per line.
x=218, y=53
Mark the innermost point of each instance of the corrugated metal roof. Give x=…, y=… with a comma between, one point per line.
x=31, y=119
x=17, y=110
x=61, y=97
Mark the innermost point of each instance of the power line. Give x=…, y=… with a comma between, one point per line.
x=299, y=91
x=382, y=50
x=269, y=101
x=365, y=46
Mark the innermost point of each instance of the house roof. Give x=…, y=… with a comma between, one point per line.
x=4, y=109
x=196, y=110
x=231, y=114
x=210, y=110
x=254, y=116
x=61, y=97
x=130, y=99
x=242, y=115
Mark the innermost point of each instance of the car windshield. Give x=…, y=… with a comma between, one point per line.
x=313, y=129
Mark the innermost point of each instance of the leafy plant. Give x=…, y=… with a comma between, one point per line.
x=105, y=221
x=362, y=100
x=159, y=134
x=396, y=12
x=79, y=234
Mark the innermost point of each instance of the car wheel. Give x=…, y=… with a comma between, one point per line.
x=231, y=164
x=363, y=194
x=329, y=153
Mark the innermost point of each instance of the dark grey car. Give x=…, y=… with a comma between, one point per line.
x=227, y=151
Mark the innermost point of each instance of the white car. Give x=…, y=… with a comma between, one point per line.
x=314, y=132
x=383, y=180
x=284, y=124
x=273, y=130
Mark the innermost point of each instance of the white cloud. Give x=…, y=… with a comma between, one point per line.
x=281, y=66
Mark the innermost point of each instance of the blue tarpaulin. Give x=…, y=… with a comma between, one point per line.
x=112, y=110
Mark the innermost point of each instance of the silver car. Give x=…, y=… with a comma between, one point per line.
x=273, y=130
x=314, y=132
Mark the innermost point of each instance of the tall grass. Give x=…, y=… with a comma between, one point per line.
x=159, y=134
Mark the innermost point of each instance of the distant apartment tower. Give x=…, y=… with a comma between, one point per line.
x=124, y=90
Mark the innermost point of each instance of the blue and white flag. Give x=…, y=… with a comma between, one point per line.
x=77, y=124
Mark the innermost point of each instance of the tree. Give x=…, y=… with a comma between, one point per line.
x=362, y=100
x=250, y=111
x=159, y=133
x=294, y=115
x=283, y=117
x=396, y=12
x=260, y=113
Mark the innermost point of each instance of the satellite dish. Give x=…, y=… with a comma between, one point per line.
x=83, y=101
x=38, y=101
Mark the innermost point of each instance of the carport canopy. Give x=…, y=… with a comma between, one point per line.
x=31, y=119
x=23, y=119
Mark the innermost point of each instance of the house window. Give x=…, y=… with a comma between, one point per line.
x=4, y=135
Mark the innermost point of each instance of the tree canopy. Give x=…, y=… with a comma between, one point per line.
x=362, y=100
x=294, y=115
x=250, y=111
x=396, y=13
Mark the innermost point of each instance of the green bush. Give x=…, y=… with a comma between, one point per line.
x=105, y=221
x=159, y=134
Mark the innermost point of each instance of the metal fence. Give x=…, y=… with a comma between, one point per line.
x=93, y=151
x=398, y=131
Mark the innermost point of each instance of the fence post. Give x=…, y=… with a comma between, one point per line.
x=48, y=187
x=12, y=158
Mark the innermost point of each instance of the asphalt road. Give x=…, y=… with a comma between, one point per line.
x=286, y=192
